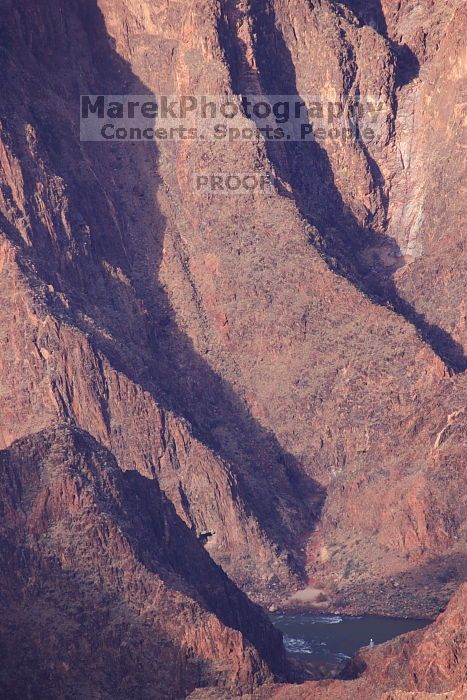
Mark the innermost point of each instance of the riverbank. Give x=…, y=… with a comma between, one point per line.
x=386, y=599
x=322, y=646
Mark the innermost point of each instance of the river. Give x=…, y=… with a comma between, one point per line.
x=333, y=638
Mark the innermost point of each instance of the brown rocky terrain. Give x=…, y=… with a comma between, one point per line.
x=104, y=587
x=284, y=370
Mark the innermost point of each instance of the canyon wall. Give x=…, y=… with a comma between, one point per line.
x=105, y=589
x=287, y=367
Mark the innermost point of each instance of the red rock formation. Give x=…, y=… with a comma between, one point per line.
x=269, y=360
x=105, y=589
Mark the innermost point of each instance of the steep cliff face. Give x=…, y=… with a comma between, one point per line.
x=104, y=587
x=269, y=359
x=430, y=182
x=393, y=201
x=83, y=243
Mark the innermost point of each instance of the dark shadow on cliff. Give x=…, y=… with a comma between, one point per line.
x=128, y=523
x=370, y=13
x=346, y=244
x=103, y=274
x=187, y=558
x=62, y=636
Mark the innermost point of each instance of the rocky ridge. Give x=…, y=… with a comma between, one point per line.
x=287, y=368
x=103, y=586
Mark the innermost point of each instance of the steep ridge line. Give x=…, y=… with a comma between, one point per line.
x=152, y=351
x=308, y=171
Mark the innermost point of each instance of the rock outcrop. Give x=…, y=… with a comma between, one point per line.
x=104, y=589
